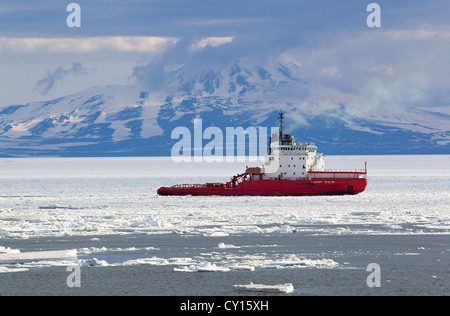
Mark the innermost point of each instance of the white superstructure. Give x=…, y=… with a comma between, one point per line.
x=287, y=159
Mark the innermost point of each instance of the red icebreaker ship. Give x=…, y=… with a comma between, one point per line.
x=290, y=169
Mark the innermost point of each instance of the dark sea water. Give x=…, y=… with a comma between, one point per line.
x=409, y=265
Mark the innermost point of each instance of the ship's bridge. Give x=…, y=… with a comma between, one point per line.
x=287, y=159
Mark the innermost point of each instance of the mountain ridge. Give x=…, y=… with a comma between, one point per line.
x=138, y=121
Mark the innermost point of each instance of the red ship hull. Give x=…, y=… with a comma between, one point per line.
x=299, y=187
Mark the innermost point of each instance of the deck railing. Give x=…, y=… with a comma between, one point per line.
x=188, y=186
x=338, y=171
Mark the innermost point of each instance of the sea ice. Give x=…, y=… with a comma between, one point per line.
x=203, y=267
x=88, y=196
x=94, y=262
x=226, y=246
x=277, y=288
x=392, y=226
x=8, y=250
x=147, y=261
x=11, y=270
x=33, y=256
x=295, y=262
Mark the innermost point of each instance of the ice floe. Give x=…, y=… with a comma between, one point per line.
x=231, y=262
x=35, y=256
x=94, y=262
x=147, y=261
x=12, y=270
x=203, y=267
x=392, y=226
x=226, y=246
x=277, y=288
x=8, y=250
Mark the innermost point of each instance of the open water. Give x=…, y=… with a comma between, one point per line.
x=409, y=265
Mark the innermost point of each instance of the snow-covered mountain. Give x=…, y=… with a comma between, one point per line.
x=132, y=121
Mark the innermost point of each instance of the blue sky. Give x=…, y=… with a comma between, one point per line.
x=403, y=62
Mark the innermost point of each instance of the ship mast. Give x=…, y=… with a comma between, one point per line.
x=280, y=119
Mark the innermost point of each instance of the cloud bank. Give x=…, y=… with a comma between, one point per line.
x=402, y=64
x=210, y=41
x=140, y=44
x=44, y=85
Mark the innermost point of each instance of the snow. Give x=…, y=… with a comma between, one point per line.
x=68, y=114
